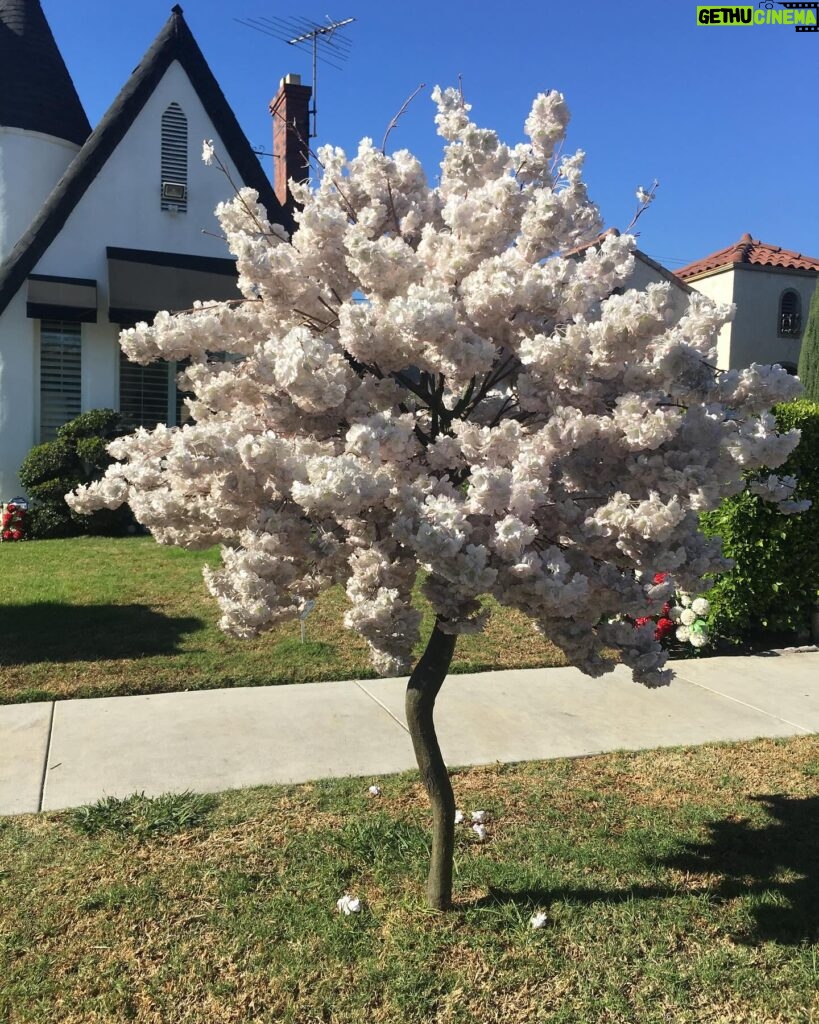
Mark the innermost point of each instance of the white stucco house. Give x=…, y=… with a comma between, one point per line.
x=102, y=228
x=772, y=289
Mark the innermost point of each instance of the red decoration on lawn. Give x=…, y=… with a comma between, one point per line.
x=13, y=523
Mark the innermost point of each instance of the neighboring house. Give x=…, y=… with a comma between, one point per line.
x=646, y=271
x=101, y=229
x=772, y=289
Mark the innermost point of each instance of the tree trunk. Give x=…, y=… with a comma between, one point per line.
x=422, y=689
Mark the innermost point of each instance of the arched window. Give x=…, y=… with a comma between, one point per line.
x=174, y=160
x=790, y=315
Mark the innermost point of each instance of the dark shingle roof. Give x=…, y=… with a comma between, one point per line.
x=174, y=42
x=36, y=91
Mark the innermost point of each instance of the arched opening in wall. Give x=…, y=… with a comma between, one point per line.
x=790, y=315
x=174, y=169
x=790, y=367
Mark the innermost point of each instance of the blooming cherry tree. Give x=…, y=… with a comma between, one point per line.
x=448, y=379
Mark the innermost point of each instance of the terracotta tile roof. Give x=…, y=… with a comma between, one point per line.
x=750, y=250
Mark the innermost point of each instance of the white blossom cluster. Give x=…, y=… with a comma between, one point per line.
x=779, y=491
x=689, y=618
x=448, y=378
x=477, y=823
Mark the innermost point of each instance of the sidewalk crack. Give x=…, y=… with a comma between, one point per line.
x=382, y=705
x=745, y=704
x=46, y=759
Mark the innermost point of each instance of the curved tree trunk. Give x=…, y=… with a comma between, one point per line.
x=422, y=689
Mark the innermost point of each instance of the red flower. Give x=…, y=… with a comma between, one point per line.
x=16, y=534
x=642, y=622
x=665, y=627
x=660, y=577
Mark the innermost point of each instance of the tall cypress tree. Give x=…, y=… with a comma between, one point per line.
x=809, y=353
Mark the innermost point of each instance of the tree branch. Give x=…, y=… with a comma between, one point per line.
x=394, y=122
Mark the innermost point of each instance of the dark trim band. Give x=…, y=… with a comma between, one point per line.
x=129, y=317
x=77, y=315
x=83, y=282
x=177, y=260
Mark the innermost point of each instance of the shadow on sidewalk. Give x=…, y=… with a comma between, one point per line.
x=775, y=867
x=51, y=632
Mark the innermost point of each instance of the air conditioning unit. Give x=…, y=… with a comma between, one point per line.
x=174, y=191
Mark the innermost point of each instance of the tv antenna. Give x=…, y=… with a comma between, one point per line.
x=323, y=40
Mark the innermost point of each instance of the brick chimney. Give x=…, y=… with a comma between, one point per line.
x=290, y=109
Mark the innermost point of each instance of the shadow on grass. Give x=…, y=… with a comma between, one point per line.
x=51, y=632
x=774, y=867
x=778, y=864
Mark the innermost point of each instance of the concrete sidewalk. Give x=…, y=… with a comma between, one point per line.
x=67, y=753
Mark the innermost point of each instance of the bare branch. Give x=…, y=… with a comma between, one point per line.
x=394, y=122
x=644, y=205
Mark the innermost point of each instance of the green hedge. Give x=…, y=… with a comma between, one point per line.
x=774, y=585
x=77, y=456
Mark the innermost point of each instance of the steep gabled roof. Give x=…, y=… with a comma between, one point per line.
x=36, y=91
x=174, y=42
x=749, y=251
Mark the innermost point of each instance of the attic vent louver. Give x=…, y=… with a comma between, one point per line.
x=174, y=179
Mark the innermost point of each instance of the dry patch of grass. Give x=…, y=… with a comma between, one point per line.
x=680, y=885
x=96, y=617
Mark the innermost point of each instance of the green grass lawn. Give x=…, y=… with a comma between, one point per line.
x=680, y=886
x=96, y=617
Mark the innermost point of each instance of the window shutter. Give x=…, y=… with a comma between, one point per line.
x=174, y=159
x=143, y=393
x=60, y=375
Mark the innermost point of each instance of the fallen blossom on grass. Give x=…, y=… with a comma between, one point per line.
x=348, y=904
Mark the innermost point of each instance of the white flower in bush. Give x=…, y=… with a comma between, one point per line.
x=688, y=617
x=701, y=606
x=682, y=634
x=698, y=639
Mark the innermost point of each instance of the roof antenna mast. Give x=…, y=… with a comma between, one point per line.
x=323, y=41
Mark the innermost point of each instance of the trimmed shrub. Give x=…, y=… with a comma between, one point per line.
x=774, y=584
x=77, y=456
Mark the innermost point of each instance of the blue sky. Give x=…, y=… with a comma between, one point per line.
x=725, y=118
